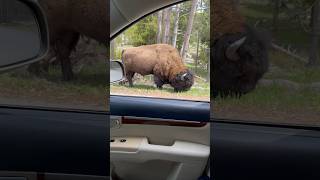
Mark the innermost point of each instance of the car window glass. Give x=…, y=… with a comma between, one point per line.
x=288, y=91
x=166, y=54
x=73, y=75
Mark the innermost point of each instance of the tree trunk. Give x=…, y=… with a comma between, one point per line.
x=159, y=32
x=197, y=57
x=208, y=65
x=176, y=26
x=315, y=35
x=187, y=34
x=276, y=11
x=166, y=17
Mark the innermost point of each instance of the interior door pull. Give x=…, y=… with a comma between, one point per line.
x=115, y=121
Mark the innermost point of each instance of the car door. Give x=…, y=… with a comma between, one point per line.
x=154, y=133
x=158, y=138
x=48, y=130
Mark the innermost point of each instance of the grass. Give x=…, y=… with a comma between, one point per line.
x=273, y=104
x=88, y=88
x=144, y=87
x=276, y=97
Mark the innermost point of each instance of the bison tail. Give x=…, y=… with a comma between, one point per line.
x=122, y=55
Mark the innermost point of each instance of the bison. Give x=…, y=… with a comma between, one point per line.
x=239, y=51
x=67, y=20
x=161, y=60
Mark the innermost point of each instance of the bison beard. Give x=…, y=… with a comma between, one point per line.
x=161, y=60
x=239, y=61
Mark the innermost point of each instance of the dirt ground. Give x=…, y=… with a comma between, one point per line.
x=59, y=100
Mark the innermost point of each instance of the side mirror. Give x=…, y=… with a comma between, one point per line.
x=23, y=33
x=116, y=71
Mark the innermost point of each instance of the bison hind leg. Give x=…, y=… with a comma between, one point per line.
x=158, y=82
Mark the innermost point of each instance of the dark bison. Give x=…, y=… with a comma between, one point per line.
x=239, y=52
x=161, y=60
x=67, y=20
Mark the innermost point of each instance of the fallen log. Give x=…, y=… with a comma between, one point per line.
x=279, y=48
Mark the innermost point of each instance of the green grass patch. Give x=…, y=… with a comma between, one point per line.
x=145, y=87
x=275, y=97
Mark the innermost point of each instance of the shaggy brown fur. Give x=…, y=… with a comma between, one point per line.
x=76, y=16
x=67, y=20
x=225, y=19
x=161, y=60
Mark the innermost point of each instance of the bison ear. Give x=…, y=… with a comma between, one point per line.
x=231, y=52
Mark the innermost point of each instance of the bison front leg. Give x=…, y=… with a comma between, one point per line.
x=64, y=48
x=158, y=82
x=129, y=76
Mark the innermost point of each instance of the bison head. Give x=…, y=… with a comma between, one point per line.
x=182, y=81
x=239, y=61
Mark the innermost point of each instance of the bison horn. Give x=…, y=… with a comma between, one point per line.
x=183, y=76
x=231, y=51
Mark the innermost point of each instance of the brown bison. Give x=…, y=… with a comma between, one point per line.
x=67, y=20
x=161, y=60
x=239, y=52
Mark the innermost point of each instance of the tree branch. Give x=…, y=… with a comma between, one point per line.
x=279, y=48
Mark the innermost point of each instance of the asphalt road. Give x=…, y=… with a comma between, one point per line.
x=18, y=43
x=115, y=74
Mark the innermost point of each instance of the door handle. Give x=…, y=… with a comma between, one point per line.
x=115, y=122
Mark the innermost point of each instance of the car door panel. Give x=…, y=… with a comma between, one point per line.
x=159, y=147
x=169, y=152
x=163, y=134
x=49, y=141
x=187, y=159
